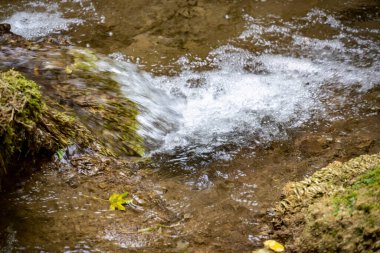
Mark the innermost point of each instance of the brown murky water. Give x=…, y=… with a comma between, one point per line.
x=219, y=200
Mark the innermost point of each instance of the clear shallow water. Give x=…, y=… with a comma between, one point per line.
x=290, y=66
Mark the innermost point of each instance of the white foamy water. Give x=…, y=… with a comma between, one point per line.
x=250, y=96
x=40, y=18
x=34, y=24
x=204, y=110
x=245, y=98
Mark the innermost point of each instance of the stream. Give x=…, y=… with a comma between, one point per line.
x=235, y=99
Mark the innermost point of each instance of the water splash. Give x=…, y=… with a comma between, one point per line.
x=245, y=97
x=252, y=95
x=33, y=24
x=40, y=18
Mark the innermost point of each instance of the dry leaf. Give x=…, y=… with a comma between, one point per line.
x=273, y=245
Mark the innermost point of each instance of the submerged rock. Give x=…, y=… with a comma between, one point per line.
x=335, y=210
x=99, y=102
x=34, y=127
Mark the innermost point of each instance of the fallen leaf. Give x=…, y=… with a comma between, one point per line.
x=118, y=200
x=273, y=245
x=68, y=70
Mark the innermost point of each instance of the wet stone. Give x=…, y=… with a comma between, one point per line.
x=102, y=185
x=5, y=28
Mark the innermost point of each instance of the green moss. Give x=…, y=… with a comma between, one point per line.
x=63, y=129
x=27, y=126
x=326, y=181
x=355, y=223
x=83, y=60
x=119, y=118
x=369, y=180
x=20, y=107
x=347, y=200
x=335, y=210
x=102, y=107
x=125, y=119
x=21, y=96
x=370, y=183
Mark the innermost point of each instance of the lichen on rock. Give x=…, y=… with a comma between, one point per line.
x=335, y=210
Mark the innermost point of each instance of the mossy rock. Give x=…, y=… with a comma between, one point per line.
x=100, y=104
x=28, y=128
x=21, y=108
x=335, y=210
x=32, y=126
x=72, y=83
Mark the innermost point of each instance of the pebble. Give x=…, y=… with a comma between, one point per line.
x=102, y=185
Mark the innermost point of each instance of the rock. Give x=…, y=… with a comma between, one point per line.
x=313, y=146
x=334, y=210
x=102, y=185
x=7, y=38
x=182, y=246
x=29, y=129
x=5, y=28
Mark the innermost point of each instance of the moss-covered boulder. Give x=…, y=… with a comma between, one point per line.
x=72, y=82
x=98, y=102
x=35, y=126
x=28, y=128
x=108, y=115
x=20, y=108
x=335, y=210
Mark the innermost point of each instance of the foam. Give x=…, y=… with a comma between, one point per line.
x=257, y=96
x=246, y=97
x=40, y=18
x=38, y=24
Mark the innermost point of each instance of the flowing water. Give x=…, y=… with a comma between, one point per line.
x=235, y=98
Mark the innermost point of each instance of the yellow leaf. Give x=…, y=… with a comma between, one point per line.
x=273, y=245
x=68, y=70
x=118, y=200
